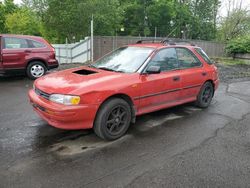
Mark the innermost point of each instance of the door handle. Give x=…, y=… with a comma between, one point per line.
x=204, y=74
x=176, y=78
x=27, y=51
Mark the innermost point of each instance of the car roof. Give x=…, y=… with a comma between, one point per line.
x=163, y=45
x=20, y=36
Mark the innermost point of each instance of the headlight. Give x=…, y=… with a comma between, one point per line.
x=65, y=99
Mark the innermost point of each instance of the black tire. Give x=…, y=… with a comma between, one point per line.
x=35, y=70
x=205, y=95
x=113, y=119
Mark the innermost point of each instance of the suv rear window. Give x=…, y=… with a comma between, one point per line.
x=204, y=55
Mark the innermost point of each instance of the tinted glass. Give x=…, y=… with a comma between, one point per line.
x=187, y=59
x=203, y=55
x=166, y=59
x=35, y=44
x=125, y=59
x=15, y=43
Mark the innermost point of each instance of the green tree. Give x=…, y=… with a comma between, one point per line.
x=236, y=24
x=204, y=15
x=6, y=7
x=160, y=16
x=71, y=18
x=23, y=21
x=133, y=20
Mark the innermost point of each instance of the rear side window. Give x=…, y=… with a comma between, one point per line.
x=204, y=55
x=35, y=44
x=187, y=59
x=15, y=43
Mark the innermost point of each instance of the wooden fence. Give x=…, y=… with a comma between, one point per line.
x=105, y=44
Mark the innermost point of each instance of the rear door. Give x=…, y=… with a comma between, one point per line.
x=191, y=72
x=1, y=57
x=160, y=90
x=14, y=52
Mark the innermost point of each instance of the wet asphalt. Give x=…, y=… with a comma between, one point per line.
x=179, y=147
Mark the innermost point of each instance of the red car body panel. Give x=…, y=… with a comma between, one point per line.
x=16, y=60
x=147, y=92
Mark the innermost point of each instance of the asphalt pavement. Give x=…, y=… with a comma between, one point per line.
x=182, y=146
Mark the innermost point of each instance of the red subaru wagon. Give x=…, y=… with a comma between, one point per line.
x=132, y=80
x=30, y=55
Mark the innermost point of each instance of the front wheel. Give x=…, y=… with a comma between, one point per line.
x=35, y=70
x=205, y=95
x=113, y=119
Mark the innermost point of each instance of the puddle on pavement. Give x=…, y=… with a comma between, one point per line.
x=150, y=123
x=82, y=144
x=69, y=144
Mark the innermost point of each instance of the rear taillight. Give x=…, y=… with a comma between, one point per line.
x=53, y=52
x=54, y=55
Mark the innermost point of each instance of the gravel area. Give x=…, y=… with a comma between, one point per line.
x=228, y=73
x=231, y=73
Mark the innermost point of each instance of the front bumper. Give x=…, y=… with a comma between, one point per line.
x=61, y=116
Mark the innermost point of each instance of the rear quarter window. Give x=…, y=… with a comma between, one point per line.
x=204, y=56
x=35, y=44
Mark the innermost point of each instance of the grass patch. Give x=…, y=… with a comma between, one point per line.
x=231, y=61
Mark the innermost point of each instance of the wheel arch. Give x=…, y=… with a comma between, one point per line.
x=37, y=59
x=126, y=98
x=212, y=82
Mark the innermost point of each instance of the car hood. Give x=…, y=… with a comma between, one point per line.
x=68, y=81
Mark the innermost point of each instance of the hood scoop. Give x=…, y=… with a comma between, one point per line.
x=84, y=72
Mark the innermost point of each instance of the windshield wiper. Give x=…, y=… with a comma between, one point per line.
x=105, y=68
x=108, y=69
x=92, y=66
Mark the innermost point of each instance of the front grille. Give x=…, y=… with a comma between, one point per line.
x=42, y=94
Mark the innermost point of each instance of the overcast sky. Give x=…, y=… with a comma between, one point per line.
x=222, y=11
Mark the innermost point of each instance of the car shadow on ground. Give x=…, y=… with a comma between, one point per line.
x=68, y=143
x=13, y=78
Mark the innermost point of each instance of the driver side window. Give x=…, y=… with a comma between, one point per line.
x=166, y=59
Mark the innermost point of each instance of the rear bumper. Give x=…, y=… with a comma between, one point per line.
x=61, y=116
x=53, y=64
x=216, y=84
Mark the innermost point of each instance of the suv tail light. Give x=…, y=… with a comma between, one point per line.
x=1, y=55
x=53, y=52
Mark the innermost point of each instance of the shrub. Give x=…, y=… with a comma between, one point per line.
x=239, y=45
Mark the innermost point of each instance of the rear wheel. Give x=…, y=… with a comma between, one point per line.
x=35, y=70
x=113, y=119
x=205, y=96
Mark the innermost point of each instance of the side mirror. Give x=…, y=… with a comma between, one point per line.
x=153, y=70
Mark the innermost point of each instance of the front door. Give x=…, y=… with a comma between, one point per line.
x=14, y=52
x=163, y=89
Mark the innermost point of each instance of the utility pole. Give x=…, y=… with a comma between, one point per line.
x=155, y=32
x=92, y=39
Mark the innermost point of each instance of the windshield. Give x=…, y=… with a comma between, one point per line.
x=125, y=59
